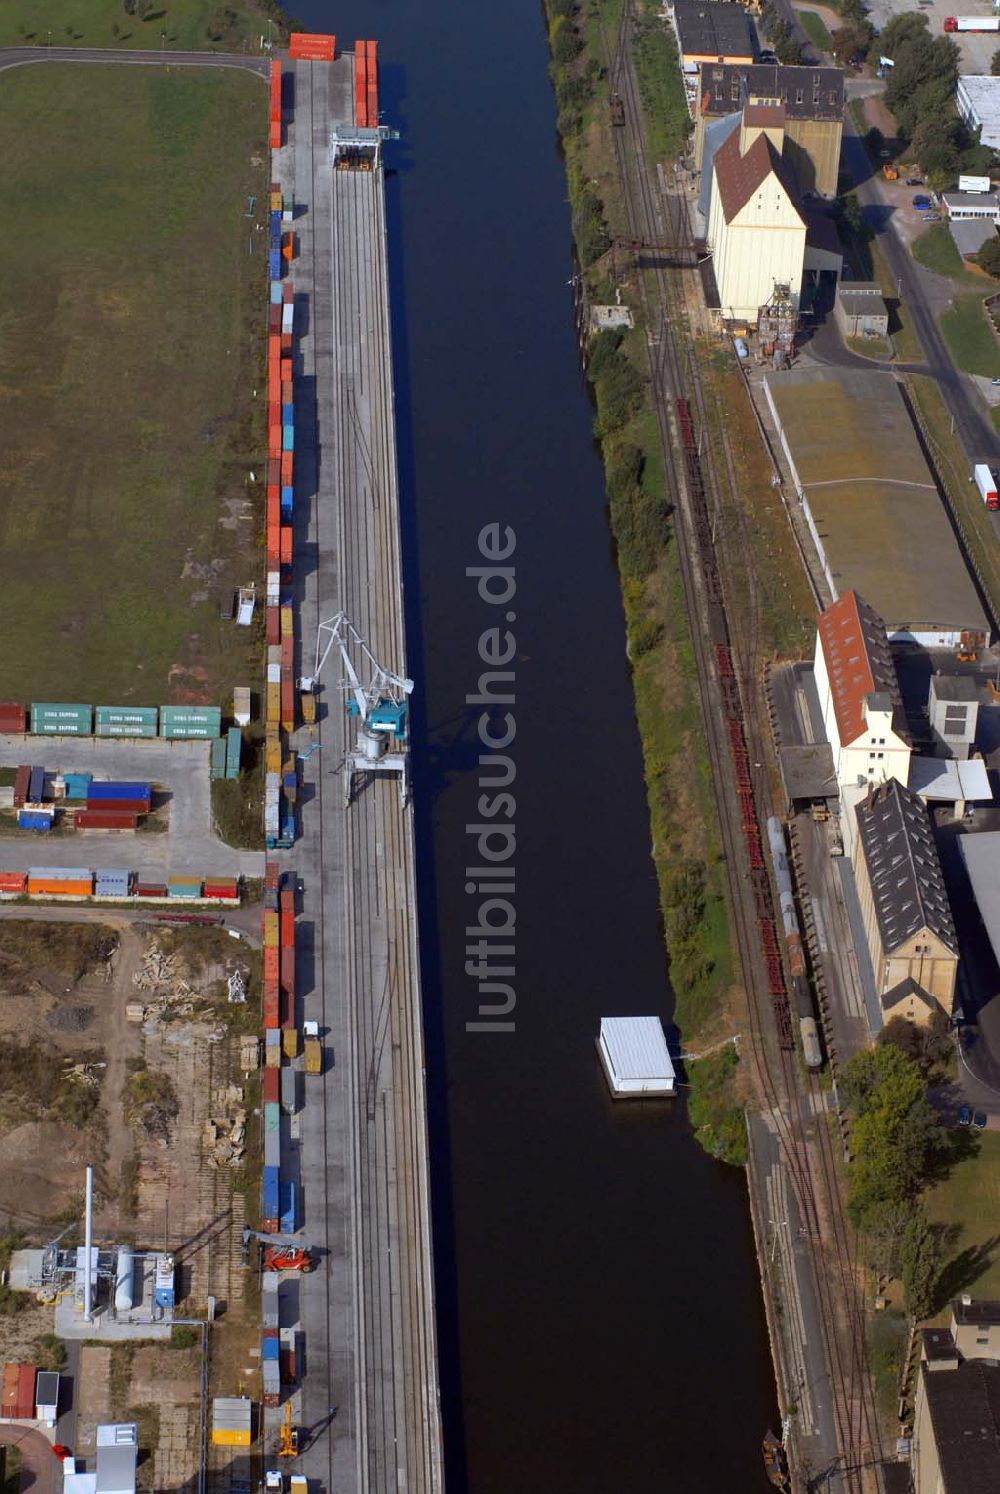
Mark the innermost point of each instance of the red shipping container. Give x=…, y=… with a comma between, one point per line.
x=272, y=873
x=286, y=899
x=287, y=292
x=312, y=46
x=99, y=819
x=271, y=1011
x=287, y=926
x=275, y=141
x=8, y=1393
x=273, y=626
x=286, y=468
x=286, y=546
x=287, y=651
x=26, y=1392
x=286, y=1364
x=227, y=889
x=12, y=881
x=270, y=1088
x=288, y=983
x=287, y=396
x=127, y=806
x=274, y=440
x=270, y=964
x=274, y=472
x=274, y=411
x=286, y=370
x=273, y=513
x=288, y=1009
x=150, y=889
x=287, y=702
x=12, y=718
x=22, y=779
x=274, y=319
x=273, y=349
x=286, y=342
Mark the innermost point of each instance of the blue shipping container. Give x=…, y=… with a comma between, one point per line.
x=287, y=499
x=288, y=826
x=36, y=785
x=288, y=414
x=270, y=1192
x=288, y=1208
x=275, y=292
x=274, y=264
x=276, y=219
x=120, y=791
x=30, y=820
x=76, y=785
x=288, y=438
x=270, y=1348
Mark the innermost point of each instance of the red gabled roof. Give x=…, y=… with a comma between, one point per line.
x=739, y=177
x=858, y=662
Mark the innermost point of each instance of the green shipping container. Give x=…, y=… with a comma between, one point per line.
x=57, y=719
x=219, y=758
x=190, y=721
x=234, y=748
x=126, y=721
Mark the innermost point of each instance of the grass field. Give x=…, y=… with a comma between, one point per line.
x=194, y=25
x=133, y=338
x=969, y=1201
x=970, y=341
x=935, y=250
x=814, y=28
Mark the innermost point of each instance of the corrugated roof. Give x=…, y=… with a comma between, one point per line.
x=859, y=664
x=764, y=115
x=903, y=867
x=712, y=29
x=964, y=1406
x=636, y=1047
x=739, y=177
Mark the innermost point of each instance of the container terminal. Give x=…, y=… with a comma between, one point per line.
x=369, y=1402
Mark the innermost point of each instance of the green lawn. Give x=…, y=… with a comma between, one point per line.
x=969, y=1200
x=970, y=341
x=195, y=25
x=132, y=318
x=814, y=28
x=935, y=250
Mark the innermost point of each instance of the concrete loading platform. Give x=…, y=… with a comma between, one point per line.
x=368, y=1402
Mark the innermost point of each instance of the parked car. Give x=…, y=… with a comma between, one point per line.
x=979, y=1121
x=930, y=217
x=914, y=181
x=921, y=200
x=965, y=1116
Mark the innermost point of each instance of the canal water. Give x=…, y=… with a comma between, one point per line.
x=599, y=1311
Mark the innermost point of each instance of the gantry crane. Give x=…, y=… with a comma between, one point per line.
x=379, y=706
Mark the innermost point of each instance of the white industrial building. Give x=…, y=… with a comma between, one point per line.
x=859, y=695
x=635, y=1057
x=977, y=98
x=117, y=1457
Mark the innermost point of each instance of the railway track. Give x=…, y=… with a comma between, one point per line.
x=737, y=738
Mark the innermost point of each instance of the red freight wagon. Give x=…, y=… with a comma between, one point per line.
x=270, y=1087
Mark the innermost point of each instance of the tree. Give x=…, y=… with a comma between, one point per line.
x=920, y=1265
x=988, y=257
x=880, y=1076
x=789, y=51
x=927, y=1046
x=995, y=64
x=850, y=40
x=884, y=1229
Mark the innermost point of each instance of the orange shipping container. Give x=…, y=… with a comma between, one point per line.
x=275, y=140
x=287, y=926
x=271, y=964
x=273, y=704
x=286, y=342
x=287, y=292
x=287, y=702
x=60, y=888
x=287, y=652
x=286, y=546
x=286, y=469
x=286, y=369
x=274, y=440
x=271, y=1007
x=273, y=626
x=312, y=46
x=273, y=348
x=287, y=395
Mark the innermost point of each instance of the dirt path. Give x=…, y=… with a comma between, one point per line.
x=121, y=1041
x=829, y=17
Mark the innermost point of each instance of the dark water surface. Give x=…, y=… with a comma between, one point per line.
x=599, y=1310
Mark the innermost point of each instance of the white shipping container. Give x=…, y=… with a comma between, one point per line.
x=986, y=483
x=274, y=674
x=974, y=184
x=287, y=317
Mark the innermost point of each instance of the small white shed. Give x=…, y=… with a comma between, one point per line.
x=635, y=1056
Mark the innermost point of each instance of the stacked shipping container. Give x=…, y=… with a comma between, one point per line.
x=365, y=85
x=311, y=46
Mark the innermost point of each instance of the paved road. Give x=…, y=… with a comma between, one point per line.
x=20, y=56
x=181, y=768
x=369, y=1402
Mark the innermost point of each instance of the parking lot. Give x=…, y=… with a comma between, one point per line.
x=976, y=48
x=179, y=769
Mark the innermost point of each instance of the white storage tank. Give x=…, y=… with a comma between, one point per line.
x=125, y=1279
